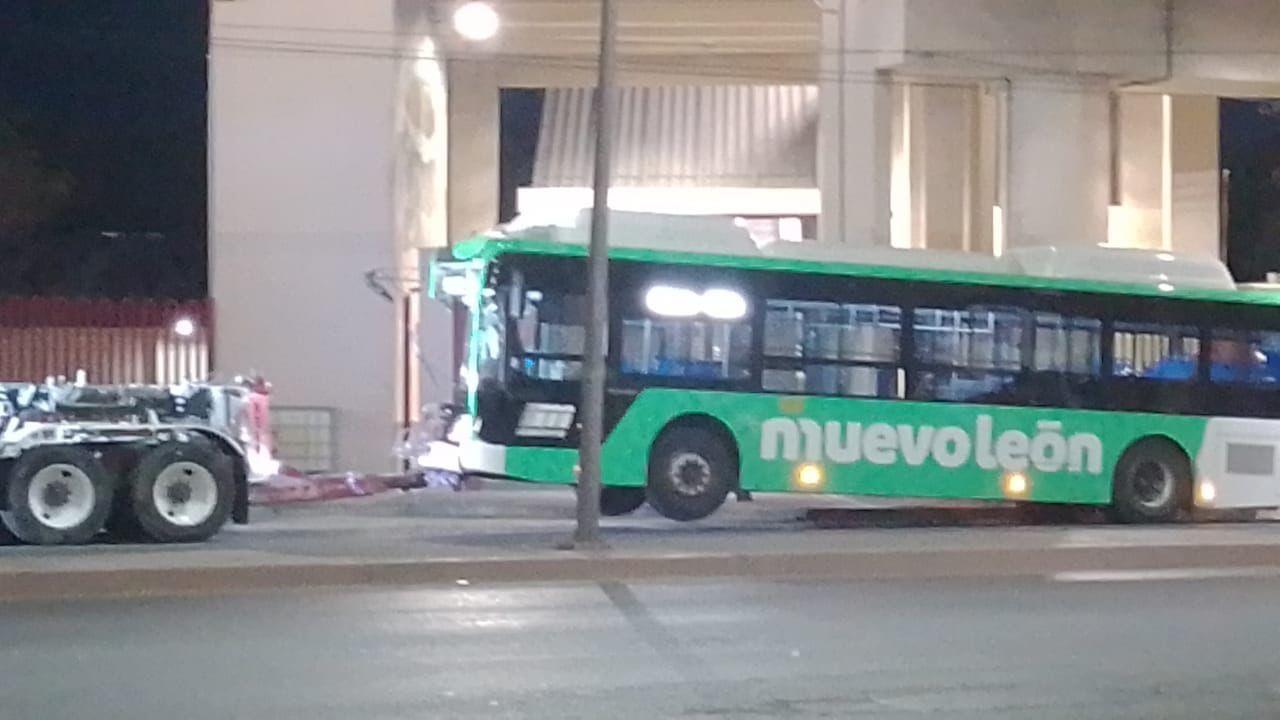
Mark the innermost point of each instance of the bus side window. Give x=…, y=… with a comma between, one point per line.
x=828, y=348
x=1064, y=344
x=1156, y=351
x=1244, y=357
x=970, y=354
x=696, y=349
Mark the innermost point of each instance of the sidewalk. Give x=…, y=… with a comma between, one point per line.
x=503, y=535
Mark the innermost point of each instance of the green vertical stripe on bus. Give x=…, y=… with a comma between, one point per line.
x=473, y=346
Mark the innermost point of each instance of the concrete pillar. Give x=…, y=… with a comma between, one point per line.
x=1059, y=163
x=301, y=158
x=1168, y=176
x=903, y=210
x=855, y=131
x=472, y=202
x=944, y=167
x=421, y=211
x=473, y=148
x=854, y=161
x=985, y=175
x=1137, y=211
x=945, y=158
x=1193, y=178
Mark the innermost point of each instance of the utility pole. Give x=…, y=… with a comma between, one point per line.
x=591, y=412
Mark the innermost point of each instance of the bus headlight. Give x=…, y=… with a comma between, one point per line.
x=459, y=285
x=463, y=429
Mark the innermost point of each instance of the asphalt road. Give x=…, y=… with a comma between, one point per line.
x=1191, y=648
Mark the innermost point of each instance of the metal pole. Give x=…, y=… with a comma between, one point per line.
x=593, y=370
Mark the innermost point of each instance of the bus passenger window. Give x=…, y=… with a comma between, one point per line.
x=1155, y=351
x=827, y=348
x=1244, y=357
x=1070, y=345
x=970, y=354
x=693, y=349
x=978, y=337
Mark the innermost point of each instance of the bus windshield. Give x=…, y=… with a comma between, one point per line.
x=528, y=326
x=548, y=332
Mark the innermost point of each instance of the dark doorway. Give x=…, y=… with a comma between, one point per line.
x=521, y=119
x=1250, y=152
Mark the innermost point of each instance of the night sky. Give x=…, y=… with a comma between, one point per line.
x=102, y=103
x=103, y=152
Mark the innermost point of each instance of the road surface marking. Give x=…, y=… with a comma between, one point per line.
x=1155, y=575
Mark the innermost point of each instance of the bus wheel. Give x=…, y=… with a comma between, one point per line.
x=690, y=473
x=615, y=501
x=181, y=492
x=57, y=495
x=1152, y=482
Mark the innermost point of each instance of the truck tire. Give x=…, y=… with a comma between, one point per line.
x=57, y=495
x=181, y=492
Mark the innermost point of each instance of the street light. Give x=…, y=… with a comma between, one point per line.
x=476, y=20
x=184, y=327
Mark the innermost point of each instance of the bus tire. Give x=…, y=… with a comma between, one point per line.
x=690, y=473
x=615, y=501
x=181, y=492
x=1152, y=482
x=57, y=495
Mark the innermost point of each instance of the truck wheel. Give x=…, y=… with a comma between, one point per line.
x=690, y=473
x=615, y=501
x=1152, y=482
x=181, y=492
x=57, y=495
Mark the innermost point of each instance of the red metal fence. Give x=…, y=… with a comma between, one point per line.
x=113, y=341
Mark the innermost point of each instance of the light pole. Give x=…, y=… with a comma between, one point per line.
x=587, y=533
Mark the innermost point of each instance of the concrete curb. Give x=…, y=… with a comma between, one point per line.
x=27, y=585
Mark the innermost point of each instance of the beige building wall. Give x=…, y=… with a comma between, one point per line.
x=1168, y=178
x=1193, y=176
x=473, y=147
x=324, y=164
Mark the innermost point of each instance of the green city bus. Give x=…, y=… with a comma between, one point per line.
x=1131, y=379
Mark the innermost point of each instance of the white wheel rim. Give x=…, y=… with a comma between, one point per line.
x=61, y=496
x=185, y=493
x=689, y=473
x=1153, y=484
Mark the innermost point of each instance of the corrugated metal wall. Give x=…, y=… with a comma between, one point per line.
x=707, y=136
x=113, y=341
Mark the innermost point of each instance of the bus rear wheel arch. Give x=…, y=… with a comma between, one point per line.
x=693, y=466
x=1152, y=483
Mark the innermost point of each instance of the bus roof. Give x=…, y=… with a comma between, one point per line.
x=666, y=239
